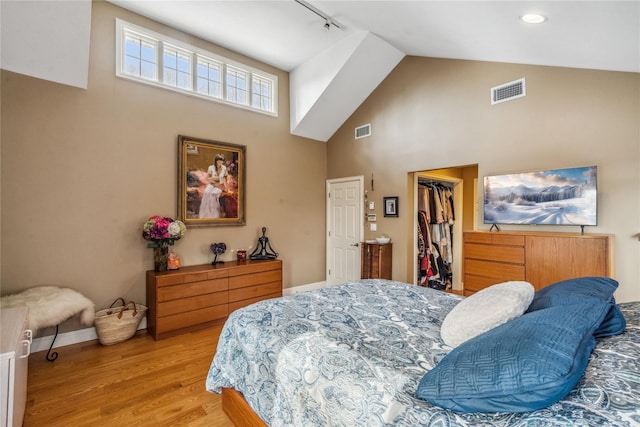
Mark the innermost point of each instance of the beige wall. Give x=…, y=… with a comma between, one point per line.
x=83, y=169
x=436, y=113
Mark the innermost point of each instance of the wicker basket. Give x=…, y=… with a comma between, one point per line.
x=117, y=324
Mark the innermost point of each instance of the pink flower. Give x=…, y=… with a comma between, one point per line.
x=162, y=231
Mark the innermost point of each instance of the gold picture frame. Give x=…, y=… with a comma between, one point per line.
x=211, y=182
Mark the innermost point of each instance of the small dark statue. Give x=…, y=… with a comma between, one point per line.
x=264, y=249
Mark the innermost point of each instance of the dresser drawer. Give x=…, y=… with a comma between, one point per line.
x=177, y=277
x=168, y=293
x=236, y=282
x=477, y=238
x=248, y=292
x=509, y=254
x=233, y=306
x=256, y=267
x=170, y=280
x=192, y=318
x=507, y=239
x=494, y=238
x=477, y=283
x=177, y=306
x=501, y=271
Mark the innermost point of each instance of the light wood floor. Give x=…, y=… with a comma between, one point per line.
x=139, y=382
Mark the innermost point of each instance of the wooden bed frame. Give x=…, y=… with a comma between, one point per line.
x=238, y=410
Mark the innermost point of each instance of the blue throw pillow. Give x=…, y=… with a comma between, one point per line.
x=575, y=291
x=613, y=324
x=523, y=365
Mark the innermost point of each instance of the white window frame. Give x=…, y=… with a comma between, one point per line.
x=141, y=38
x=169, y=47
x=261, y=80
x=247, y=81
x=210, y=62
x=196, y=54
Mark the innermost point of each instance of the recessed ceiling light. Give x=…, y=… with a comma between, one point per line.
x=533, y=18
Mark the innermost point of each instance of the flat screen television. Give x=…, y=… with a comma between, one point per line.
x=549, y=197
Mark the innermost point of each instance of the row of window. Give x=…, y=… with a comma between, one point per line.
x=149, y=57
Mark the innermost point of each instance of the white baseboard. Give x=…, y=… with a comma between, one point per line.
x=304, y=288
x=73, y=337
x=89, y=334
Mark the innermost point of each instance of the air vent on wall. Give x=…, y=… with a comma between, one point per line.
x=508, y=91
x=363, y=131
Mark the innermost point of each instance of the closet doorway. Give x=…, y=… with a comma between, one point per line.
x=461, y=181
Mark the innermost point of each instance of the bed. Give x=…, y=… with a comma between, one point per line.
x=355, y=354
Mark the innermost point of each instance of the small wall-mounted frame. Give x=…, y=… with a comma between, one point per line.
x=391, y=206
x=211, y=182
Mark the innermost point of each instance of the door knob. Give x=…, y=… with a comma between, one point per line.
x=355, y=244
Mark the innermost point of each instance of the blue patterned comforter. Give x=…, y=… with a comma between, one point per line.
x=353, y=355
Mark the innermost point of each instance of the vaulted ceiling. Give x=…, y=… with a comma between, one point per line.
x=602, y=35
x=366, y=35
x=310, y=38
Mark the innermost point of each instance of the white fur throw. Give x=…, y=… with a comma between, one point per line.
x=50, y=305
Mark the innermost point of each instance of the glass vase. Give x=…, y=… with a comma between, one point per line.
x=160, y=257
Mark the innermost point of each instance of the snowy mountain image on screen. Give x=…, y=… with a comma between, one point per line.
x=557, y=197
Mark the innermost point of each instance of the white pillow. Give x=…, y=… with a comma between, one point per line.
x=485, y=310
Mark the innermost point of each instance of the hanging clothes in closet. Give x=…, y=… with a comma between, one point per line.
x=436, y=217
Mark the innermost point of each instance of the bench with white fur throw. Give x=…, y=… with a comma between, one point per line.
x=50, y=306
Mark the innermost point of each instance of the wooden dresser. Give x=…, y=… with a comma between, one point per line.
x=200, y=296
x=538, y=258
x=376, y=261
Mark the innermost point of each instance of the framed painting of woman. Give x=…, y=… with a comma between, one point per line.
x=211, y=182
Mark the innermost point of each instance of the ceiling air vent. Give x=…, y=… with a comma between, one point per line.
x=508, y=91
x=363, y=131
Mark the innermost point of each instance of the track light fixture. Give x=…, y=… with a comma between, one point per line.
x=328, y=21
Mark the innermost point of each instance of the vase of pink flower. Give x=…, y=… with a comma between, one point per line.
x=162, y=232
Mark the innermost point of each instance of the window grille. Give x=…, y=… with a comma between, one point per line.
x=154, y=59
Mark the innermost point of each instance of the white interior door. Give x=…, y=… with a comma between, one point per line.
x=344, y=229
